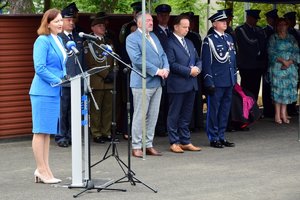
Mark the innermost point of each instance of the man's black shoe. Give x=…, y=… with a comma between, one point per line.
x=99, y=139
x=109, y=139
x=63, y=144
x=227, y=143
x=216, y=144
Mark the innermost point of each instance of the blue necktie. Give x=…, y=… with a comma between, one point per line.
x=185, y=46
x=70, y=36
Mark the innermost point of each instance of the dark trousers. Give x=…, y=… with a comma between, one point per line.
x=65, y=116
x=250, y=80
x=269, y=110
x=179, y=117
x=218, y=108
x=161, y=125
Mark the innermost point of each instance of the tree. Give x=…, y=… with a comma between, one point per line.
x=24, y=6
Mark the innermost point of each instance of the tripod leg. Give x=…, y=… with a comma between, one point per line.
x=138, y=181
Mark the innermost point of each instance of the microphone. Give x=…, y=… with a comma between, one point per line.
x=109, y=49
x=88, y=36
x=72, y=46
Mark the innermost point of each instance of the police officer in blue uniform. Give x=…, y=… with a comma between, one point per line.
x=63, y=139
x=219, y=71
x=229, y=14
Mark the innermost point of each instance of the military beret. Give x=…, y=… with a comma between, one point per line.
x=272, y=14
x=137, y=6
x=253, y=13
x=228, y=12
x=99, y=18
x=290, y=15
x=218, y=16
x=163, y=8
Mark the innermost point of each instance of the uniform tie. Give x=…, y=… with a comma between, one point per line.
x=185, y=46
x=70, y=36
x=167, y=32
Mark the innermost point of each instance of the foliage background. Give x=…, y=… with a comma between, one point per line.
x=199, y=7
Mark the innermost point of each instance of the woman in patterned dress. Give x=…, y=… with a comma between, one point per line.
x=283, y=54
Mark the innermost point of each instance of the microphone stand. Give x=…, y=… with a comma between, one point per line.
x=130, y=175
x=89, y=183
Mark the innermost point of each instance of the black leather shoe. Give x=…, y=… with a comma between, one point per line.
x=227, y=143
x=63, y=144
x=99, y=139
x=109, y=139
x=216, y=144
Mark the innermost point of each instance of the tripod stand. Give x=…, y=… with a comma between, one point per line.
x=129, y=174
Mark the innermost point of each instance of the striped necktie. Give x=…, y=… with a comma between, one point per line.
x=70, y=36
x=185, y=46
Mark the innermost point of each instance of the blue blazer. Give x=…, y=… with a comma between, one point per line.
x=49, y=67
x=154, y=60
x=216, y=72
x=180, y=80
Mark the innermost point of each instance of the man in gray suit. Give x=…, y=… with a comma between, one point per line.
x=157, y=69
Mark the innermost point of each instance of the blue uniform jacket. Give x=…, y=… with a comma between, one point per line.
x=218, y=72
x=49, y=67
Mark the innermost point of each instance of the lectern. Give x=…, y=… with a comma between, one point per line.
x=79, y=123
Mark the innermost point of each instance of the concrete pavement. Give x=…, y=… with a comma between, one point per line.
x=264, y=165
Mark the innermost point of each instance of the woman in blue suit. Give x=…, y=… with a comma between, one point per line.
x=49, y=64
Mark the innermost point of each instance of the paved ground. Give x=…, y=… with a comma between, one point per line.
x=264, y=165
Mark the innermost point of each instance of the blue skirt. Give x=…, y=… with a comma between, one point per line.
x=45, y=114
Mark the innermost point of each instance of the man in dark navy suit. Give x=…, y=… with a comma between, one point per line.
x=197, y=117
x=271, y=17
x=63, y=139
x=219, y=71
x=185, y=66
x=162, y=31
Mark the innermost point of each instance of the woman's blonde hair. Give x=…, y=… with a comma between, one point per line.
x=48, y=16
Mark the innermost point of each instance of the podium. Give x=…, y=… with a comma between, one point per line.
x=79, y=108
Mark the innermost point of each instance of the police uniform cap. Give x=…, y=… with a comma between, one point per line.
x=272, y=14
x=218, y=17
x=253, y=13
x=228, y=12
x=99, y=18
x=137, y=6
x=163, y=8
x=290, y=15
